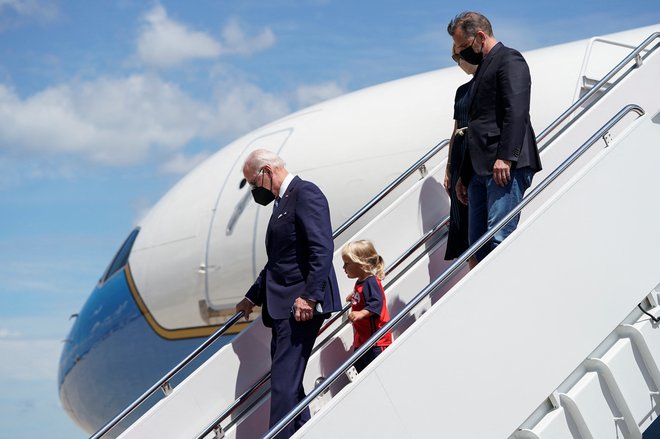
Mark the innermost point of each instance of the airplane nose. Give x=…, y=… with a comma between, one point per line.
x=109, y=357
x=94, y=358
x=112, y=355
x=99, y=313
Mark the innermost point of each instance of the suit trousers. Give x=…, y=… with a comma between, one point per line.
x=290, y=348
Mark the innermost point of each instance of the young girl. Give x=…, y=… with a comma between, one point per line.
x=369, y=307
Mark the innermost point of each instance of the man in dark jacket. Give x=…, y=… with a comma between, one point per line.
x=297, y=288
x=501, y=144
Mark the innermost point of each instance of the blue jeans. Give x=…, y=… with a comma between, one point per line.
x=488, y=203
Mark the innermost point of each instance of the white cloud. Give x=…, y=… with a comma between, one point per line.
x=165, y=43
x=109, y=121
x=46, y=272
x=241, y=107
x=29, y=360
x=236, y=40
x=13, y=12
x=307, y=95
x=8, y=333
x=180, y=164
x=125, y=121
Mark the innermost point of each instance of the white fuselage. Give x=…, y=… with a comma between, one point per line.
x=351, y=146
x=202, y=245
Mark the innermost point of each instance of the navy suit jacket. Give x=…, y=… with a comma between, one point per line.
x=299, y=246
x=499, y=126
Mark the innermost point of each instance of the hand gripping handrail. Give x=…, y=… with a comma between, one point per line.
x=366, y=208
x=163, y=383
x=215, y=424
x=634, y=55
x=552, y=127
x=447, y=274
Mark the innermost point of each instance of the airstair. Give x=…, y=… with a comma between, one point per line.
x=552, y=336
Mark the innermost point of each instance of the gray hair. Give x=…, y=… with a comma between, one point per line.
x=470, y=23
x=262, y=157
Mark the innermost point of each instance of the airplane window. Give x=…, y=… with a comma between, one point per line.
x=121, y=258
x=241, y=185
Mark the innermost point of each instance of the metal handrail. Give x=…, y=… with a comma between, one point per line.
x=632, y=56
x=232, y=408
x=421, y=241
x=350, y=221
x=255, y=387
x=163, y=383
x=587, y=56
x=407, y=173
x=391, y=267
x=554, y=125
x=447, y=274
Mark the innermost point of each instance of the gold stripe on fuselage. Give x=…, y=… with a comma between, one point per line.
x=174, y=334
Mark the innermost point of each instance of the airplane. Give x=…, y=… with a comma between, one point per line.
x=179, y=273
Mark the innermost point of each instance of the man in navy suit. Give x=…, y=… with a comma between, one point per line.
x=501, y=144
x=297, y=288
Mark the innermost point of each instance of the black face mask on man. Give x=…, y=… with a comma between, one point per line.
x=472, y=57
x=262, y=195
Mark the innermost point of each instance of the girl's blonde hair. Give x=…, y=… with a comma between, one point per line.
x=364, y=253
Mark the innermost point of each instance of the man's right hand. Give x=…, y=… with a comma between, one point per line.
x=502, y=172
x=246, y=306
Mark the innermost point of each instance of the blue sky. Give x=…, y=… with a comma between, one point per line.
x=104, y=105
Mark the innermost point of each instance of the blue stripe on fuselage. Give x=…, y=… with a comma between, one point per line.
x=112, y=356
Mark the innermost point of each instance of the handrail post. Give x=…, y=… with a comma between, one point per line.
x=163, y=383
x=420, y=163
x=166, y=387
x=632, y=56
x=389, y=188
x=440, y=279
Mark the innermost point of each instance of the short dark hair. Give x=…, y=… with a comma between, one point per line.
x=470, y=23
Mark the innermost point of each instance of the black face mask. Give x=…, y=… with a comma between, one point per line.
x=262, y=195
x=472, y=57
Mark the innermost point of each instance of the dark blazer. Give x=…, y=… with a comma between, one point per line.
x=499, y=125
x=299, y=246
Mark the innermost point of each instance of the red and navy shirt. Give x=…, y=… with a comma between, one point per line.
x=369, y=294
